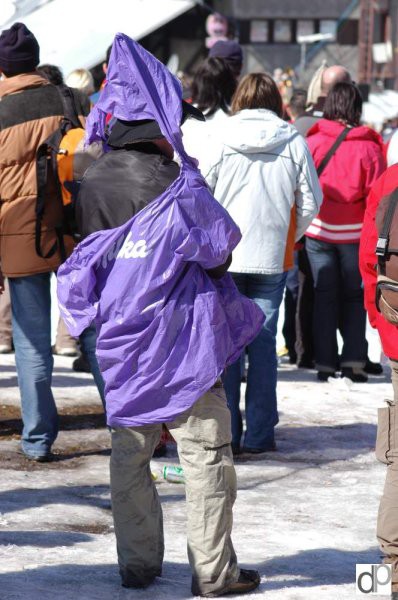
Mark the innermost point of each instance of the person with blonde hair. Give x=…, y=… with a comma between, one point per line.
x=81, y=79
x=263, y=174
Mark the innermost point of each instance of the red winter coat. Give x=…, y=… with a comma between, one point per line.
x=367, y=261
x=346, y=180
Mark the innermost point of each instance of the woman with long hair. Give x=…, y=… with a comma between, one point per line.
x=263, y=174
x=212, y=89
x=333, y=237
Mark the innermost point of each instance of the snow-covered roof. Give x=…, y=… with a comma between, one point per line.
x=75, y=34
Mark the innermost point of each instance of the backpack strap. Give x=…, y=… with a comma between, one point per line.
x=332, y=150
x=43, y=154
x=42, y=160
x=69, y=105
x=384, y=235
x=41, y=176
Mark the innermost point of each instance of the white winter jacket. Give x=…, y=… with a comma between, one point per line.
x=198, y=137
x=392, y=151
x=263, y=174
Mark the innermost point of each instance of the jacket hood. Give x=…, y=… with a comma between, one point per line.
x=138, y=87
x=333, y=129
x=254, y=130
x=10, y=85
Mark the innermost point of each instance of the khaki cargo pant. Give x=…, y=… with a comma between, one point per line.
x=203, y=436
x=387, y=453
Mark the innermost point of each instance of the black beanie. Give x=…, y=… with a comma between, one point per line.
x=19, y=50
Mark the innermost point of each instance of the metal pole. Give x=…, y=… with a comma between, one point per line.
x=393, y=10
x=303, y=48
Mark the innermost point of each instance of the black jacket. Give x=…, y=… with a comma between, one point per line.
x=304, y=123
x=120, y=184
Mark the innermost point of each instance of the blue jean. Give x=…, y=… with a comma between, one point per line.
x=338, y=304
x=260, y=402
x=31, y=322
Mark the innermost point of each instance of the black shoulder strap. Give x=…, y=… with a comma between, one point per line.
x=382, y=242
x=43, y=162
x=69, y=104
x=332, y=150
x=41, y=177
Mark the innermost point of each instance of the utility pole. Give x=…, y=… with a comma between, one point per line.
x=366, y=33
x=393, y=10
x=303, y=40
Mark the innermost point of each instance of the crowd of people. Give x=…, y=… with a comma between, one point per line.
x=195, y=220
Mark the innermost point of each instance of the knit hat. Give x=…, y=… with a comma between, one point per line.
x=229, y=50
x=19, y=50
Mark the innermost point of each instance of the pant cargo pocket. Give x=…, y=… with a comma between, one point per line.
x=386, y=433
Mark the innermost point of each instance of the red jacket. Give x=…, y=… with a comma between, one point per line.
x=367, y=261
x=346, y=180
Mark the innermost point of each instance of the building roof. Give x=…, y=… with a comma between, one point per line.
x=288, y=9
x=88, y=29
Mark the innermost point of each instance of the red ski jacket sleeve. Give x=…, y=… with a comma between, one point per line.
x=368, y=260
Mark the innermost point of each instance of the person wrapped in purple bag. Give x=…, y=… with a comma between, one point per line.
x=151, y=274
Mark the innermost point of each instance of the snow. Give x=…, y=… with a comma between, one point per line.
x=305, y=515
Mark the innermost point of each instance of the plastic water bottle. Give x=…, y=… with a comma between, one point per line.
x=173, y=474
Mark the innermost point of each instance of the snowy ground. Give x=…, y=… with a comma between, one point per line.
x=304, y=517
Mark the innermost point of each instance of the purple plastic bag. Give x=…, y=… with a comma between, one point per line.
x=166, y=330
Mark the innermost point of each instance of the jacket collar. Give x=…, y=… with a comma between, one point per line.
x=332, y=129
x=18, y=83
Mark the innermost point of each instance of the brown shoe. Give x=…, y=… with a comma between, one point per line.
x=65, y=351
x=6, y=348
x=247, y=582
x=81, y=364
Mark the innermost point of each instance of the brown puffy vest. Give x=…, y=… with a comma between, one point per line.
x=387, y=254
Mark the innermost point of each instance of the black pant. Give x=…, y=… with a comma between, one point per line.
x=291, y=296
x=305, y=311
x=338, y=304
